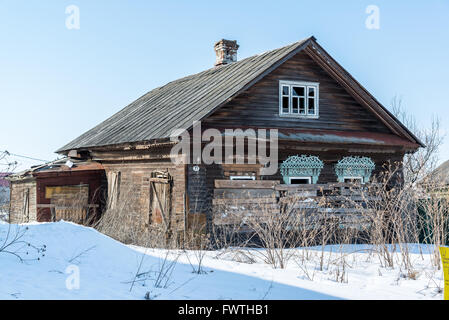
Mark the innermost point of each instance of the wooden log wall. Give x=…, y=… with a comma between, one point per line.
x=259, y=105
x=135, y=178
x=23, y=201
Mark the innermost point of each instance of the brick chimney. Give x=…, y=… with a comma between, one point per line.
x=226, y=51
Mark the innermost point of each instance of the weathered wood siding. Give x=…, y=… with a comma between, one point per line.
x=259, y=105
x=20, y=210
x=135, y=184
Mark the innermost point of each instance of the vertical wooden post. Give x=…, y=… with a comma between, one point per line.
x=53, y=213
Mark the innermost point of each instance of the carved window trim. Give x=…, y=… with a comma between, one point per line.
x=302, y=166
x=354, y=167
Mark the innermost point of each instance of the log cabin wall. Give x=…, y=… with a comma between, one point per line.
x=259, y=105
x=23, y=201
x=135, y=185
x=200, y=191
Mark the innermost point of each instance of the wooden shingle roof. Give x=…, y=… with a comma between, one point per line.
x=179, y=103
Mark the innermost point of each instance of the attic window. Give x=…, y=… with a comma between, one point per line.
x=298, y=99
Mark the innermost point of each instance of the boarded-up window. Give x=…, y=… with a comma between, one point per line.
x=160, y=198
x=114, y=180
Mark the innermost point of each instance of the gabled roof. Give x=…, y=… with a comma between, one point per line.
x=179, y=103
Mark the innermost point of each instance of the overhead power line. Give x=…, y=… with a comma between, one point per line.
x=22, y=156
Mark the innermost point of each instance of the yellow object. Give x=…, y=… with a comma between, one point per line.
x=444, y=252
x=51, y=191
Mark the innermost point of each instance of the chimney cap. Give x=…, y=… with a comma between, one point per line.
x=227, y=42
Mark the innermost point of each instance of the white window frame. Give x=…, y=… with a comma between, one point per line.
x=304, y=178
x=242, y=177
x=306, y=86
x=354, y=178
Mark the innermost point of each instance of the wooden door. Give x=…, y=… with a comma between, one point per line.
x=160, y=199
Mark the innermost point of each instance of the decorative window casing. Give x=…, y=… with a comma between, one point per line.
x=353, y=168
x=299, y=99
x=301, y=166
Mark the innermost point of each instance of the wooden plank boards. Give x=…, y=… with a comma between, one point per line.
x=44, y=205
x=246, y=184
x=344, y=203
x=244, y=193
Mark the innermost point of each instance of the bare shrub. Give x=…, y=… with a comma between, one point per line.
x=434, y=216
x=160, y=273
x=71, y=207
x=279, y=233
x=389, y=207
x=12, y=243
x=418, y=165
x=123, y=221
x=196, y=242
x=230, y=234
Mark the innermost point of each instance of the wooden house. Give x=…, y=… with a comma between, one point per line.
x=330, y=130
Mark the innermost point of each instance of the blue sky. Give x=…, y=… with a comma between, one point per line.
x=56, y=83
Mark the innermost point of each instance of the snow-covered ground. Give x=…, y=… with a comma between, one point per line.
x=69, y=261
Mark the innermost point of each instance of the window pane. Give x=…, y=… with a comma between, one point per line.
x=311, y=105
x=284, y=104
x=300, y=181
x=298, y=91
x=311, y=92
x=295, y=104
x=302, y=106
x=285, y=90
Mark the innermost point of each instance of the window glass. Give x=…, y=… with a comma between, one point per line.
x=300, y=180
x=302, y=105
x=295, y=104
x=311, y=91
x=298, y=91
x=311, y=106
x=285, y=104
